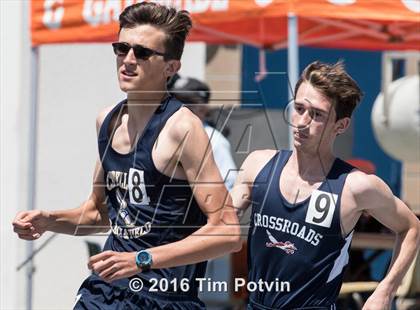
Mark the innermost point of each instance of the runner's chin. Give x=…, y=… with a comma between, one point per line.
x=127, y=84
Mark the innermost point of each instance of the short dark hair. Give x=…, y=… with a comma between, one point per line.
x=335, y=84
x=175, y=24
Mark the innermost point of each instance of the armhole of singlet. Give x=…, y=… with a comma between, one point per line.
x=166, y=105
x=175, y=106
x=350, y=169
x=272, y=161
x=103, y=130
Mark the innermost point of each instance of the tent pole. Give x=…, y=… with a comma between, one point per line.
x=292, y=61
x=33, y=125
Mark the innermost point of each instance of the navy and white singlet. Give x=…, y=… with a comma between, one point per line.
x=146, y=209
x=300, y=243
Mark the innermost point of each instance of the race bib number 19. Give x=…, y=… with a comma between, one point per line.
x=321, y=208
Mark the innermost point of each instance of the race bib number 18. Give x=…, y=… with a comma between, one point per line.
x=321, y=208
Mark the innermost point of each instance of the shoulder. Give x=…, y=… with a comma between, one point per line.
x=361, y=183
x=367, y=189
x=255, y=162
x=260, y=156
x=182, y=123
x=102, y=115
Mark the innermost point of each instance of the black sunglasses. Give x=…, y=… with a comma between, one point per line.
x=141, y=52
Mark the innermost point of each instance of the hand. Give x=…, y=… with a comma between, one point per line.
x=379, y=300
x=30, y=225
x=110, y=265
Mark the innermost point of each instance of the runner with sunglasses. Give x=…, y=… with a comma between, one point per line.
x=306, y=202
x=156, y=184
x=140, y=52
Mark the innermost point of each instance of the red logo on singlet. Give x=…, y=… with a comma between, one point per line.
x=287, y=246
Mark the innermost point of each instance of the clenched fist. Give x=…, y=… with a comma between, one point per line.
x=30, y=225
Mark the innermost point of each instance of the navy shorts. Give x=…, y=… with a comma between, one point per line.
x=256, y=306
x=96, y=294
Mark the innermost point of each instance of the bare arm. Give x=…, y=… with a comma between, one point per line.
x=221, y=234
x=90, y=217
x=374, y=196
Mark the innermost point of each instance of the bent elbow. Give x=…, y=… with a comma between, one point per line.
x=237, y=245
x=413, y=234
x=417, y=234
x=236, y=240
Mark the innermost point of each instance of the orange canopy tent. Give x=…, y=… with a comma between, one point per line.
x=274, y=24
x=354, y=24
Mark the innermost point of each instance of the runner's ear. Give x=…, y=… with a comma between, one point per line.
x=172, y=67
x=342, y=125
